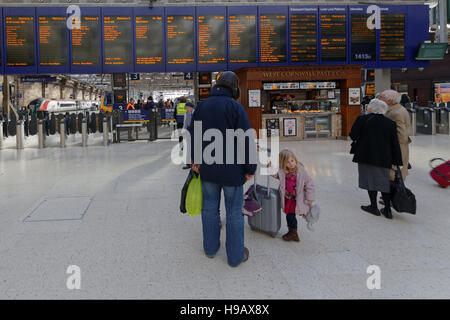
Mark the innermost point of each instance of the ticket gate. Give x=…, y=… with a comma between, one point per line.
x=443, y=120
x=426, y=121
x=413, y=125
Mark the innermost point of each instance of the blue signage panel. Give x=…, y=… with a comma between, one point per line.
x=168, y=114
x=333, y=21
x=20, y=38
x=117, y=38
x=136, y=116
x=180, y=39
x=212, y=25
x=150, y=40
x=215, y=38
x=41, y=78
x=53, y=40
x=303, y=35
x=86, y=41
x=242, y=37
x=273, y=35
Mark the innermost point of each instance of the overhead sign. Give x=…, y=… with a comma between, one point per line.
x=188, y=76
x=135, y=76
x=42, y=78
x=432, y=51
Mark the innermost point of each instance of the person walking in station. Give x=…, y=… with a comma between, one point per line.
x=221, y=111
x=130, y=104
x=400, y=116
x=187, y=123
x=150, y=104
x=296, y=191
x=376, y=149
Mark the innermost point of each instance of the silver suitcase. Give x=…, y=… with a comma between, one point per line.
x=268, y=220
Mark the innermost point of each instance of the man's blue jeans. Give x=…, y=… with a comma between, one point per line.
x=234, y=200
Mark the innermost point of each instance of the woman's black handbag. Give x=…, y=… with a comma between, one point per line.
x=403, y=200
x=184, y=191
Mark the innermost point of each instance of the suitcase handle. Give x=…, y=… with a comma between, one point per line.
x=435, y=159
x=268, y=181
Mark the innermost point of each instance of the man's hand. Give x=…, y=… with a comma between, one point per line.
x=248, y=177
x=196, y=168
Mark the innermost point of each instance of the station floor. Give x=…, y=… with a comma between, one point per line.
x=114, y=212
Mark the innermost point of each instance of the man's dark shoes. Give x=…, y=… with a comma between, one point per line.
x=387, y=213
x=371, y=210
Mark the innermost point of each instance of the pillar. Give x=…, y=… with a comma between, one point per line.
x=382, y=80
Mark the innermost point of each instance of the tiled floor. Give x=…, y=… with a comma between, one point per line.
x=132, y=241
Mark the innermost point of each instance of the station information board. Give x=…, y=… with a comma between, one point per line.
x=363, y=39
x=333, y=30
x=52, y=41
x=117, y=40
x=392, y=37
x=19, y=31
x=211, y=39
x=149, y=40
x=272, y=35
x=180, y=39
x=304, y=37
x=242, y=38
x=86, y=42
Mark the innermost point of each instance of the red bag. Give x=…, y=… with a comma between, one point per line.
x=441, y=173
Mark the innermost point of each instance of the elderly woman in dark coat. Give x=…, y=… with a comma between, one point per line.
x=376, y=149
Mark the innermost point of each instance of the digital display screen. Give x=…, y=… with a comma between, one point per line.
x=203, y=93
x=363, y=39
x=120, y=96
x=333, y=37
x=392, y=37
x=242, y=38
x=180, y=39
x=86, y=42
x=272, y=36
x=52, y=41
x=149, y=40
x=204, y=78
x=0, y=42
x=303, y=37
x=119, y=80
x=19, y=41
x=211, y=39
x=117, y=40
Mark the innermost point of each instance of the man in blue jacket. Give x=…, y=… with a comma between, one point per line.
x=221, y=112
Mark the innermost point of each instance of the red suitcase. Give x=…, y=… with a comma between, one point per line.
x=441, y=173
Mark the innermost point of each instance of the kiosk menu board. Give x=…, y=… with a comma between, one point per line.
x=333, y=29
x=117, y=40
x=52, y=41
x=19, y=31
x=242, y=38
x=86, y=42
x=272, y=35
x=211, y=39
x=304, y=37
x=149, y=40
x=392, y=37
x=363, y=39
x=180, y=39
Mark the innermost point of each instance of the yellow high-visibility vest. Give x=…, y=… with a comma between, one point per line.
x=181, y=108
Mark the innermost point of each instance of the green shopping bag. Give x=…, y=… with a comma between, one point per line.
x=194, y=196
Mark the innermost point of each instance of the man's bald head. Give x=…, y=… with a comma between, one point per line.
x=391, y=97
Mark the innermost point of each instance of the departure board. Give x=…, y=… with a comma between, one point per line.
x=242, y=38
x=180, y=39
x=363, y=39
x=86, y=42
x=211, y=39
x=392, y=37
x=303, y=37
x=149, y=40
x=52, y=41
x=117, y=40
x=19, y=41
x=333, y=37
x=272, y=37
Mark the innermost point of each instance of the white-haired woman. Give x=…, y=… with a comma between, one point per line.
x=376, y=149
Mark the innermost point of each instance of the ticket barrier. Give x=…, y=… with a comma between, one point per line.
x=84, y=132
x=413, y=117
x=41, y=134
x=426, y=121
x=443, y=120
x=1, y=132
x=20, y=134
x=62, y=132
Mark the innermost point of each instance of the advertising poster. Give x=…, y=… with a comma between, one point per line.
x=290, y=127
x=442, y=92
x=354, y=96
x=254, y=98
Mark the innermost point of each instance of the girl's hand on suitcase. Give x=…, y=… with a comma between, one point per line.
x=196, y=168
